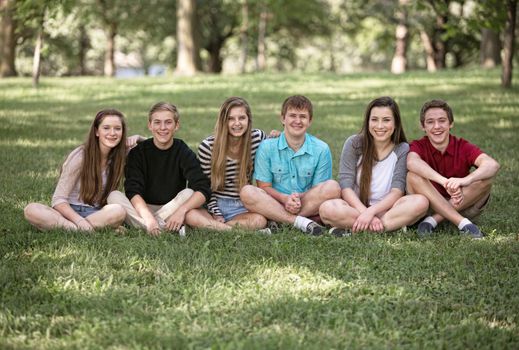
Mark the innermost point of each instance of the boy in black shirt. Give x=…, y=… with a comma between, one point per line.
x=157, y=171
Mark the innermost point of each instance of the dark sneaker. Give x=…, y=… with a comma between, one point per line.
x=472, y=231
x=265, y=231
x=424, y=229
x=339, y=232
x=273, y=226
x=314, y=229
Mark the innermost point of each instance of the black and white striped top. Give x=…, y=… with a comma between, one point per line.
x=231, y=190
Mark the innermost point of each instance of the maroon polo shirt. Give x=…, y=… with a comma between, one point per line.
x=456, y=161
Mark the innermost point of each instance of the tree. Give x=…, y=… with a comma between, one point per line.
x=399, y=62
x=117, y=16
x=261, y=57
x=433, y=33
x=32, y=15
x=286, y=22
x=84, y=44
x=108, y=12
x=508, y=44
x=490, y=48
x=218, y=21
x=36, y=66
x=187, y=49
x=244, y=36
x=7, y=38
x=491, y=14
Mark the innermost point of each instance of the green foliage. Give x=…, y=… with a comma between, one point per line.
x=241, y=289
x=489, y=14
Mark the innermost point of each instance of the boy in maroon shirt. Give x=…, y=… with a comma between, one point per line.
x=439, y=168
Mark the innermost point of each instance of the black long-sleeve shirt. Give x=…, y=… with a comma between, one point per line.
x=159, y=175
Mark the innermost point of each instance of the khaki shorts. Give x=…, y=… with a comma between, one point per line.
x=476, y=209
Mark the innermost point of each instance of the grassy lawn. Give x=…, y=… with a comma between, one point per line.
x=240, y=289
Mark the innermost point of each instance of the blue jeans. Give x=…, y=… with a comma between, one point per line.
x=230, y=207
x=84, y=210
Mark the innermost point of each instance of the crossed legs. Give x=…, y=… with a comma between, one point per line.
x=406, y=210
x=46, y=218
x=258, y=201
x=161, y=212
x=475, y=194
x=201, y=218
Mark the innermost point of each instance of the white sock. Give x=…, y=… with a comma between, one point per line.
x=464, y=222
x=431, y=221
x=301, y=222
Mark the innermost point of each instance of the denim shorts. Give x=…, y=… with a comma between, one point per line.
x=84, y=210
x=230, y=207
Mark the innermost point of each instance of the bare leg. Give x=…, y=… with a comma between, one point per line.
x=110, y=215
x=406, y=210
x=317, y=195
x=258, y=201
x=476, y=193
x=337, y=213
x=202, y=219
x=441, y=206
x=251, y=221
x=46, y=218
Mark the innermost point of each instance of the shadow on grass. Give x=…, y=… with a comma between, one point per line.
x=215, y=288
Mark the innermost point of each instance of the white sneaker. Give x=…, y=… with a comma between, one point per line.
x=182, y=231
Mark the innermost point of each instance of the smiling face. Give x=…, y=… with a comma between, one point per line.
x=109, y=133
x=381, y=124
x=237, y=121
x=163, y=127
x=437, y=127
x=296, y=122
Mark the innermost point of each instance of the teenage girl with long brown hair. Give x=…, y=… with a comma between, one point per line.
x=372, y=176
x=227, y=158
x=88, y=175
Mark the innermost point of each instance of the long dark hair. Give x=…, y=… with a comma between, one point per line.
x=91, y=178
x=369, y=153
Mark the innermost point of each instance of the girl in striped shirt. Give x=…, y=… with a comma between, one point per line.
x=227, y=159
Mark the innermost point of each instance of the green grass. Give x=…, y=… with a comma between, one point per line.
x=243, y=290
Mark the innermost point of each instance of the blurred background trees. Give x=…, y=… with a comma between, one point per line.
x=138, y=37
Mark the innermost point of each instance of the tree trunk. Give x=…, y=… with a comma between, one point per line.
x=439, y=45
x=490, y=48
x=331, y=48
x=36, y=63
x=215, y=58
x=429, y=51
x=261, y=59
x=508, y=45
x=399, y=62
x=187, y=50
x=7, y=39
x=109, y=69
x=84, y=43
x=244, y=36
